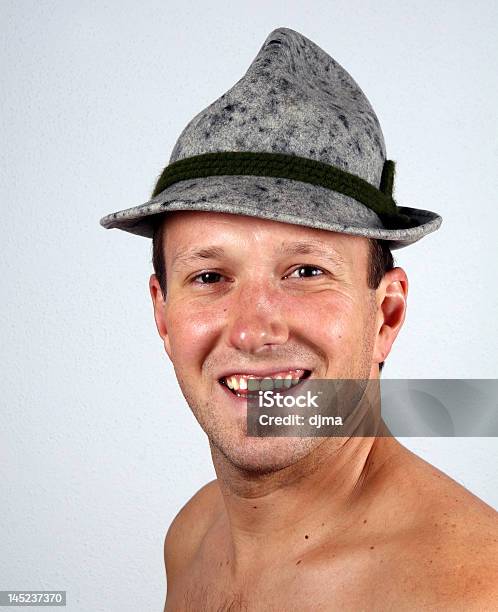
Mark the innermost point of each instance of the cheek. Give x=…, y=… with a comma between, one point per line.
x=192, y=331
x=328, y=319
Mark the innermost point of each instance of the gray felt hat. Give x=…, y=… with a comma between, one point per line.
x=294, y=140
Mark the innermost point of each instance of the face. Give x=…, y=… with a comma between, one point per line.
x=255, y=296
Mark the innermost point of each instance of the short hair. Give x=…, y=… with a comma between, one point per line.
x=380, y=260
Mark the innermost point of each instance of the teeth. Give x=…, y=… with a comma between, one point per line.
x=253, y=383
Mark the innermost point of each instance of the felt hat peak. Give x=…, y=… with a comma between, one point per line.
x=304, y=115
x=293, y=100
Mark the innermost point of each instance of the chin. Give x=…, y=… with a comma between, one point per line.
x=265, y=455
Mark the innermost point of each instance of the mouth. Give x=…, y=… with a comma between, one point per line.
x=244, y=385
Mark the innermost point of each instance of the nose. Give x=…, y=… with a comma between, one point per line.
x=256, y=322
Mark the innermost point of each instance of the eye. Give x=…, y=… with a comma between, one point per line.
x=208, y=278
x=308, y=271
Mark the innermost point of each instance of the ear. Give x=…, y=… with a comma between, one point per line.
x=391, y=296
x=159, y=306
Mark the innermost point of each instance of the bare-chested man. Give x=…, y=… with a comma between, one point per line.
x=272, y=227
x=312, y=523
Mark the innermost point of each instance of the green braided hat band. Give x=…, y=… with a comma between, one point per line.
x=281, y=165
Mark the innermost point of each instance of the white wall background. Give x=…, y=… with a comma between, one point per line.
x=98, y=449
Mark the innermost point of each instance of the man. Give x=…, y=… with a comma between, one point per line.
x=270, y=227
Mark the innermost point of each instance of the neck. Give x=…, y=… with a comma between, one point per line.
x=285, y=512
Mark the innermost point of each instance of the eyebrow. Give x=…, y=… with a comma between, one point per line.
x=188, y=255
x=191, y=255
x=315, y=247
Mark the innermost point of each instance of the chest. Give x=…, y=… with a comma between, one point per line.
x=291, y=586
x=212, y=597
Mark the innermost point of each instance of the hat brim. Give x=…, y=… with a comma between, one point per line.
x=277, y=199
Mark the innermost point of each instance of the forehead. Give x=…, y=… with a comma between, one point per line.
x=188, y=230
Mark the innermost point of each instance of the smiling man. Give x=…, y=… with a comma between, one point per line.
x=256, y=298
x=271, y=230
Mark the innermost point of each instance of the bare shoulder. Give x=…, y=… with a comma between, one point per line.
x=189, y=527
x=440, y=495
x=455, y=534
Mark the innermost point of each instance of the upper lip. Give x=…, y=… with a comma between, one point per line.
x=262, y=372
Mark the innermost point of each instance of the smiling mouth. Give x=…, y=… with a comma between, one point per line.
x=244, y=385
